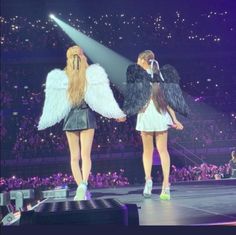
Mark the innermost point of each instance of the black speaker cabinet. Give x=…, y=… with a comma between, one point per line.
x=99, y=211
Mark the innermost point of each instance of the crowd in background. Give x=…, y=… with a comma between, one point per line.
x=209, y=82
x=116, y=179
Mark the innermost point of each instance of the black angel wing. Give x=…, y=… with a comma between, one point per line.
x=138, y=90
x=172, y=91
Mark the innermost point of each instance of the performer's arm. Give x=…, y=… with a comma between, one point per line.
x=178, y=125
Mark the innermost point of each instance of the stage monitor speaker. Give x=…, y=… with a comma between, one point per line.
x=98, y=211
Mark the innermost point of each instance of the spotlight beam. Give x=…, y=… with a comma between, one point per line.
x=114, y=64
x=52, y=16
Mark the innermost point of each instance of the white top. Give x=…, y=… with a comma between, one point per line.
x=151, y=120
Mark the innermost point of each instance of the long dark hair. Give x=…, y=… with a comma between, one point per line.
x=157, y=94
x=158, y=97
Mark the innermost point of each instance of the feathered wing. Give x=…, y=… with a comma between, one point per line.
x=172, y=91
x=98, y=94
x=138, y=89
x=56, y=104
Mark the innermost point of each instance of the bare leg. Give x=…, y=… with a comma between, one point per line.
x=86, y=140
x=147, y=139
x=73, y=141
x=161, y=143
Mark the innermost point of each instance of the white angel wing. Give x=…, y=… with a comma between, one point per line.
x=98, y=94
x=56, y=105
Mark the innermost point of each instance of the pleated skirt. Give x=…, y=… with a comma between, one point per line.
x=151, y=120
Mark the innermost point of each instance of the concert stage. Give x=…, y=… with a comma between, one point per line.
x=192, y=203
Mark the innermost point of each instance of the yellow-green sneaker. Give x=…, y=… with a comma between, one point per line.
x=165, y=194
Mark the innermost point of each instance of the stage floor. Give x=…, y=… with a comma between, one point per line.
x=196, y=203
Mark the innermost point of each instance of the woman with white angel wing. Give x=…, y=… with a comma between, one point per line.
x=73, y=94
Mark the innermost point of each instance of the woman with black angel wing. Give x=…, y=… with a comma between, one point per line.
x=154, y=94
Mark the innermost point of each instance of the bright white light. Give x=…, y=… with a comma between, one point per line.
x=52, y=16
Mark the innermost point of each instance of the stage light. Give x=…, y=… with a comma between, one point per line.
x=98, y=53
x=52, y=16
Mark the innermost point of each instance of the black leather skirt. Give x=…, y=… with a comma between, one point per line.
x=80, y=118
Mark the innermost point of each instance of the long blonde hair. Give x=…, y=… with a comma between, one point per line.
x=75, y=69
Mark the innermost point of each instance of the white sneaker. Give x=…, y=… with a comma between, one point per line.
x=147, y=192
x=81, y=192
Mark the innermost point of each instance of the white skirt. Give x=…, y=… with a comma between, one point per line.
x=151, y=120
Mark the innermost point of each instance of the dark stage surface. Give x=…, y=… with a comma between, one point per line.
x=196, y=203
